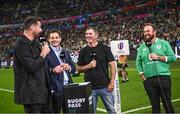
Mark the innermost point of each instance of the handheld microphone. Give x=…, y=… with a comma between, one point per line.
x=148, y=43
x=65, y=73
x=93, y=55
x=62, y=56
x=42, y=39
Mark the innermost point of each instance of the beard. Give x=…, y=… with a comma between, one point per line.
x=148, y=38
x=39, y=35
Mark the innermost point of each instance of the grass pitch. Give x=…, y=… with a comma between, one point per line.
x=133, y=95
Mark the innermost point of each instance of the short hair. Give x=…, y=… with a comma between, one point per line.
x=30, y=21
x=94, y=29
x=150, y=24
x=53, y=31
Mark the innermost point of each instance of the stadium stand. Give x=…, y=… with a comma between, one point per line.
x=115, y=19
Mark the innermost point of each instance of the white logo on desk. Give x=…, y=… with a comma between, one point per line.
x=74, y=103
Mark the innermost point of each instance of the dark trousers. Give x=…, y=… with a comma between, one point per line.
x=157, y=88
x=36, y=108
x=58, y=103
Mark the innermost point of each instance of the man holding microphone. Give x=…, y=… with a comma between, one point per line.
x=31, y=80
x=152, y=63
x=94, y=60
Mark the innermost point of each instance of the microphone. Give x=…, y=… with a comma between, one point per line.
x=42, y=39
x=62, y=56
x=65, y=73
x=93, y=55
x=148, y=43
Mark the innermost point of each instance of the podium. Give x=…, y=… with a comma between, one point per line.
x=78, y=98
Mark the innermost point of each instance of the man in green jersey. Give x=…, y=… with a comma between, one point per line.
x=152, y=62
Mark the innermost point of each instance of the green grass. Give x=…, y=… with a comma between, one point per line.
x=132, y=93
x=7, y=98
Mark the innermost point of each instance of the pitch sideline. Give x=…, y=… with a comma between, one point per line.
x=103, y=110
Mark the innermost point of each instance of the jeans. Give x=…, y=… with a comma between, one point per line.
x=106, y=97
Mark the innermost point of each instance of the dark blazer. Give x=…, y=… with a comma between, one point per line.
x=31, y=80
x=57, y=80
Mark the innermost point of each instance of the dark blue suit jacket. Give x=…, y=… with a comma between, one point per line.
x=57, y=80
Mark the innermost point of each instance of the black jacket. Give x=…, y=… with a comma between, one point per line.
x=31, y=80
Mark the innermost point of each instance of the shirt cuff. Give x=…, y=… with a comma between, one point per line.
x=69, y=68
x=166, y=58
x=141, y=73
x=150, y=58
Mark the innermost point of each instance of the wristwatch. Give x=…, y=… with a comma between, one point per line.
x=159, y=57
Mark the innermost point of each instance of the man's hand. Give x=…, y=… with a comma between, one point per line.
x=45, y=50
x=58, y=69
x=84, y=68
x=153, y=56
x=142, y=76
x=93, y=64
x=65, y=66
x=111, y=86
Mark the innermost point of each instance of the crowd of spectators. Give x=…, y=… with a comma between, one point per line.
x=112, y=24
x=15, y=11
x=130, y=28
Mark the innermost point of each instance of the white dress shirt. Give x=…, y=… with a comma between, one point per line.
x=57, y=51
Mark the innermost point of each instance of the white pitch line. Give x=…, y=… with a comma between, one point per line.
x=103, y=110
x=136, y=109
x=11, y=91
x=5, y=69
x=142, y=108
x=135, y=69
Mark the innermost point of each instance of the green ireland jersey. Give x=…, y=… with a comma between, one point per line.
x=152, y=68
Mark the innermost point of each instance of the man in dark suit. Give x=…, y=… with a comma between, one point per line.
x=31, y=80
x=60, y=66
